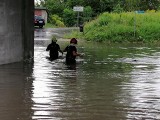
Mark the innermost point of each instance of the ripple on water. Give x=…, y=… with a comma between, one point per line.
x=113, y=88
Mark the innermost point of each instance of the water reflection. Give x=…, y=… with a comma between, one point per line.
x=15, y=91
x=52, y=79
x=113, y=83
x=141, y=92
x=85, y=91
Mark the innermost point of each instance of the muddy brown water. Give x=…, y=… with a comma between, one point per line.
x=113, y=82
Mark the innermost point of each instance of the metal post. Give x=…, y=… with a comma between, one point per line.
x=135, y=25
x=78, y=19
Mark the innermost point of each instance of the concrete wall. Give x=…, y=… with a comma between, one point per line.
x=16, y=30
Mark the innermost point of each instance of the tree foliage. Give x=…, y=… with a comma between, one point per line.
x=56, y=20
x=93, y=8
x=69, y=17
x=100, y=6
x=87, y=13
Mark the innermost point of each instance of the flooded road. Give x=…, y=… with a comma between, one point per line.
x=111, y=82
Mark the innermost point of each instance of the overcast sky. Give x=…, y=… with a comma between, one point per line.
x=36, y=1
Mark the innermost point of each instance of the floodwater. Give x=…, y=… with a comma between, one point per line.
x=111, y=82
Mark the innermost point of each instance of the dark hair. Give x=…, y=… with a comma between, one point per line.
x=73, y=40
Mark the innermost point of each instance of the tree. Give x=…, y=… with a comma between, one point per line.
x=133, y=5
x=72, y=3
x=93, y=8
x=53, y=6
x=87, y=14
x=69, y=17
x=118, y=9
x=149, y=4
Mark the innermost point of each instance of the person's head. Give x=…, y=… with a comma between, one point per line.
x=54, y=39
x=73, y=41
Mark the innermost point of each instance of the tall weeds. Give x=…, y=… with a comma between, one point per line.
x=124, y=27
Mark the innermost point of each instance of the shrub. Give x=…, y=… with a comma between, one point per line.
x=87, y=14
x=69, y=17
x=128, y=26
x=57, y=21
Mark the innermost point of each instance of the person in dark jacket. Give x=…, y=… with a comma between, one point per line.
x=71, y=52
x=54, y=49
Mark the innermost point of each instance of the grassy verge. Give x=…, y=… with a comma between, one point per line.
x=124, y=27
x=49, y=25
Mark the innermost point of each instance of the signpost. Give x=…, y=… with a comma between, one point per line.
x=136, y=12
x=78, y=9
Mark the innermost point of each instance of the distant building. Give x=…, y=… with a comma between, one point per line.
x=41, y=11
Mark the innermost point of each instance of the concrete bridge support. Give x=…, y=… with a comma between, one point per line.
x=16, y=30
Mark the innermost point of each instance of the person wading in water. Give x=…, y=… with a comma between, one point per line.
x=54, y=49
x=72, y=52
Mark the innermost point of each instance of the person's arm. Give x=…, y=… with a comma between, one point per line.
x=48, y=48
x=59, y=49
x=65, y=50
x=76, y=54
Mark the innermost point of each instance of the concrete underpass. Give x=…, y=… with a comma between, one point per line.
x=16, y=30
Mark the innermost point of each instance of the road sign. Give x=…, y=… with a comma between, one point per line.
x=78, y=8
x=140, y=11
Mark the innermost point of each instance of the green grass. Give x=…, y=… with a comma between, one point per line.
x=49, y=25
x=123, y=27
